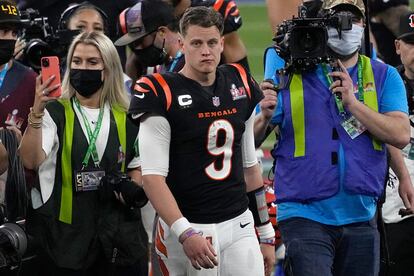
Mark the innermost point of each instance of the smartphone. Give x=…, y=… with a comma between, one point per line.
x=50, y=66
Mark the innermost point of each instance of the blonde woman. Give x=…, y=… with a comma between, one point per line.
x=83, y=219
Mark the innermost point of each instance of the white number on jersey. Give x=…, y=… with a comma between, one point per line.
x=226, y=149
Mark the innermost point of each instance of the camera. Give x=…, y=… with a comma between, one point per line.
x=302, y=41
x=133, y=195
x=13, y=245
x=42, y=39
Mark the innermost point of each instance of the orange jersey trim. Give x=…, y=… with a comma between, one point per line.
x=243, y=75
x=218, y=4
x=165, y=87
x=148, y=82
x=228, y=8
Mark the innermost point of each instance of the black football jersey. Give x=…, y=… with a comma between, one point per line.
x=227, y=8
x=205, y=170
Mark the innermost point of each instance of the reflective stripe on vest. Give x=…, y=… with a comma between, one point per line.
x=65, y=213
x=298, y=108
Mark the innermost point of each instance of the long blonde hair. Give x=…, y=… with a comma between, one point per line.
x=113, y=89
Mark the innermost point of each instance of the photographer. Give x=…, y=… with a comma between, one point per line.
x=331, y=158
x=86, y=223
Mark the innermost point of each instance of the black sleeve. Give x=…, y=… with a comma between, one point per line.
x=147, y=97
x=231, y=15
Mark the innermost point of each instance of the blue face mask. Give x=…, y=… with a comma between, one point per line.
x=350, y=42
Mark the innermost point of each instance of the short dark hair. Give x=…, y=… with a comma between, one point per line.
x=201, y=16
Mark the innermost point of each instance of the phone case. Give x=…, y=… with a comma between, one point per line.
x=50, y=66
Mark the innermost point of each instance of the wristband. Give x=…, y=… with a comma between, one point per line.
x=188, y=233
x=266, y=231
x=179, y=226
x=271, y=241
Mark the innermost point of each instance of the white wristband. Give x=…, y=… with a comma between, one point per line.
x=266, y=231
x=179, y=226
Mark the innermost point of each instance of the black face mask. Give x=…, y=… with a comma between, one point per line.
x=86, y=82
x=6, y=50
x=151, y=56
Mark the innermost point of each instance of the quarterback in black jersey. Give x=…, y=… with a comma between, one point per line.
x=234, y=49
x=198, y=159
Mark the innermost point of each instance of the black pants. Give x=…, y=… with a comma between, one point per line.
x=400, y=240
x=43, y=265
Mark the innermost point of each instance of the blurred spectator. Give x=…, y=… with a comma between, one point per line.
x=279, y=10
x=384, y=19
x=85, y=17
x=399, y=225
x=151, y=32
x=17, y=82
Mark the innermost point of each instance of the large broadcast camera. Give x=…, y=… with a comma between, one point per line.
x=42, y=39
x=302, y=41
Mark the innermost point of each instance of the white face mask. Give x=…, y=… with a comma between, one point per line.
x=350, y=42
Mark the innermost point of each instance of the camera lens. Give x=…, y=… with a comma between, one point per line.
x=45, y=62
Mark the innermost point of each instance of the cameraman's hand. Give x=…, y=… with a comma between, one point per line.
x=18, y=48
x=344, y=86
x=42, y=92
x=200, y=252
x=269, y=102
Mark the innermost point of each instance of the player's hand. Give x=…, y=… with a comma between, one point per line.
x=200, y=252
x=269, y=102
x=269, y=257
x=343, y=86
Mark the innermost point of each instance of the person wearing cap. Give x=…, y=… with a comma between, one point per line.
x=331, y=158
x=17, y=82
x=199, y=166
x=398, y=219
x=151, y=32
x=234, y=48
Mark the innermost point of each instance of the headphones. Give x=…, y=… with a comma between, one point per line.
x=68, y=13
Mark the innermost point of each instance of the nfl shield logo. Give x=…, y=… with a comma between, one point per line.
x=216, y=101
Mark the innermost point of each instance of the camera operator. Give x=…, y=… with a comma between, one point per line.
x=86, y=218
x=17, y=82
x=331, y=158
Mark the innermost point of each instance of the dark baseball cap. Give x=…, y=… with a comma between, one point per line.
x=143, y=18
x=406, y=27
x=9, y=14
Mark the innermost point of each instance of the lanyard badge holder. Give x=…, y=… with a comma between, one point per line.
x=351, y=125
x=88, y=179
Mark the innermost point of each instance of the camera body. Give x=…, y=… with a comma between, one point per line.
x=13, y=245
x=133, y=195
x=302, y=41
x=42, y=39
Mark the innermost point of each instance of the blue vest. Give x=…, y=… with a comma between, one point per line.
x=307, y=153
